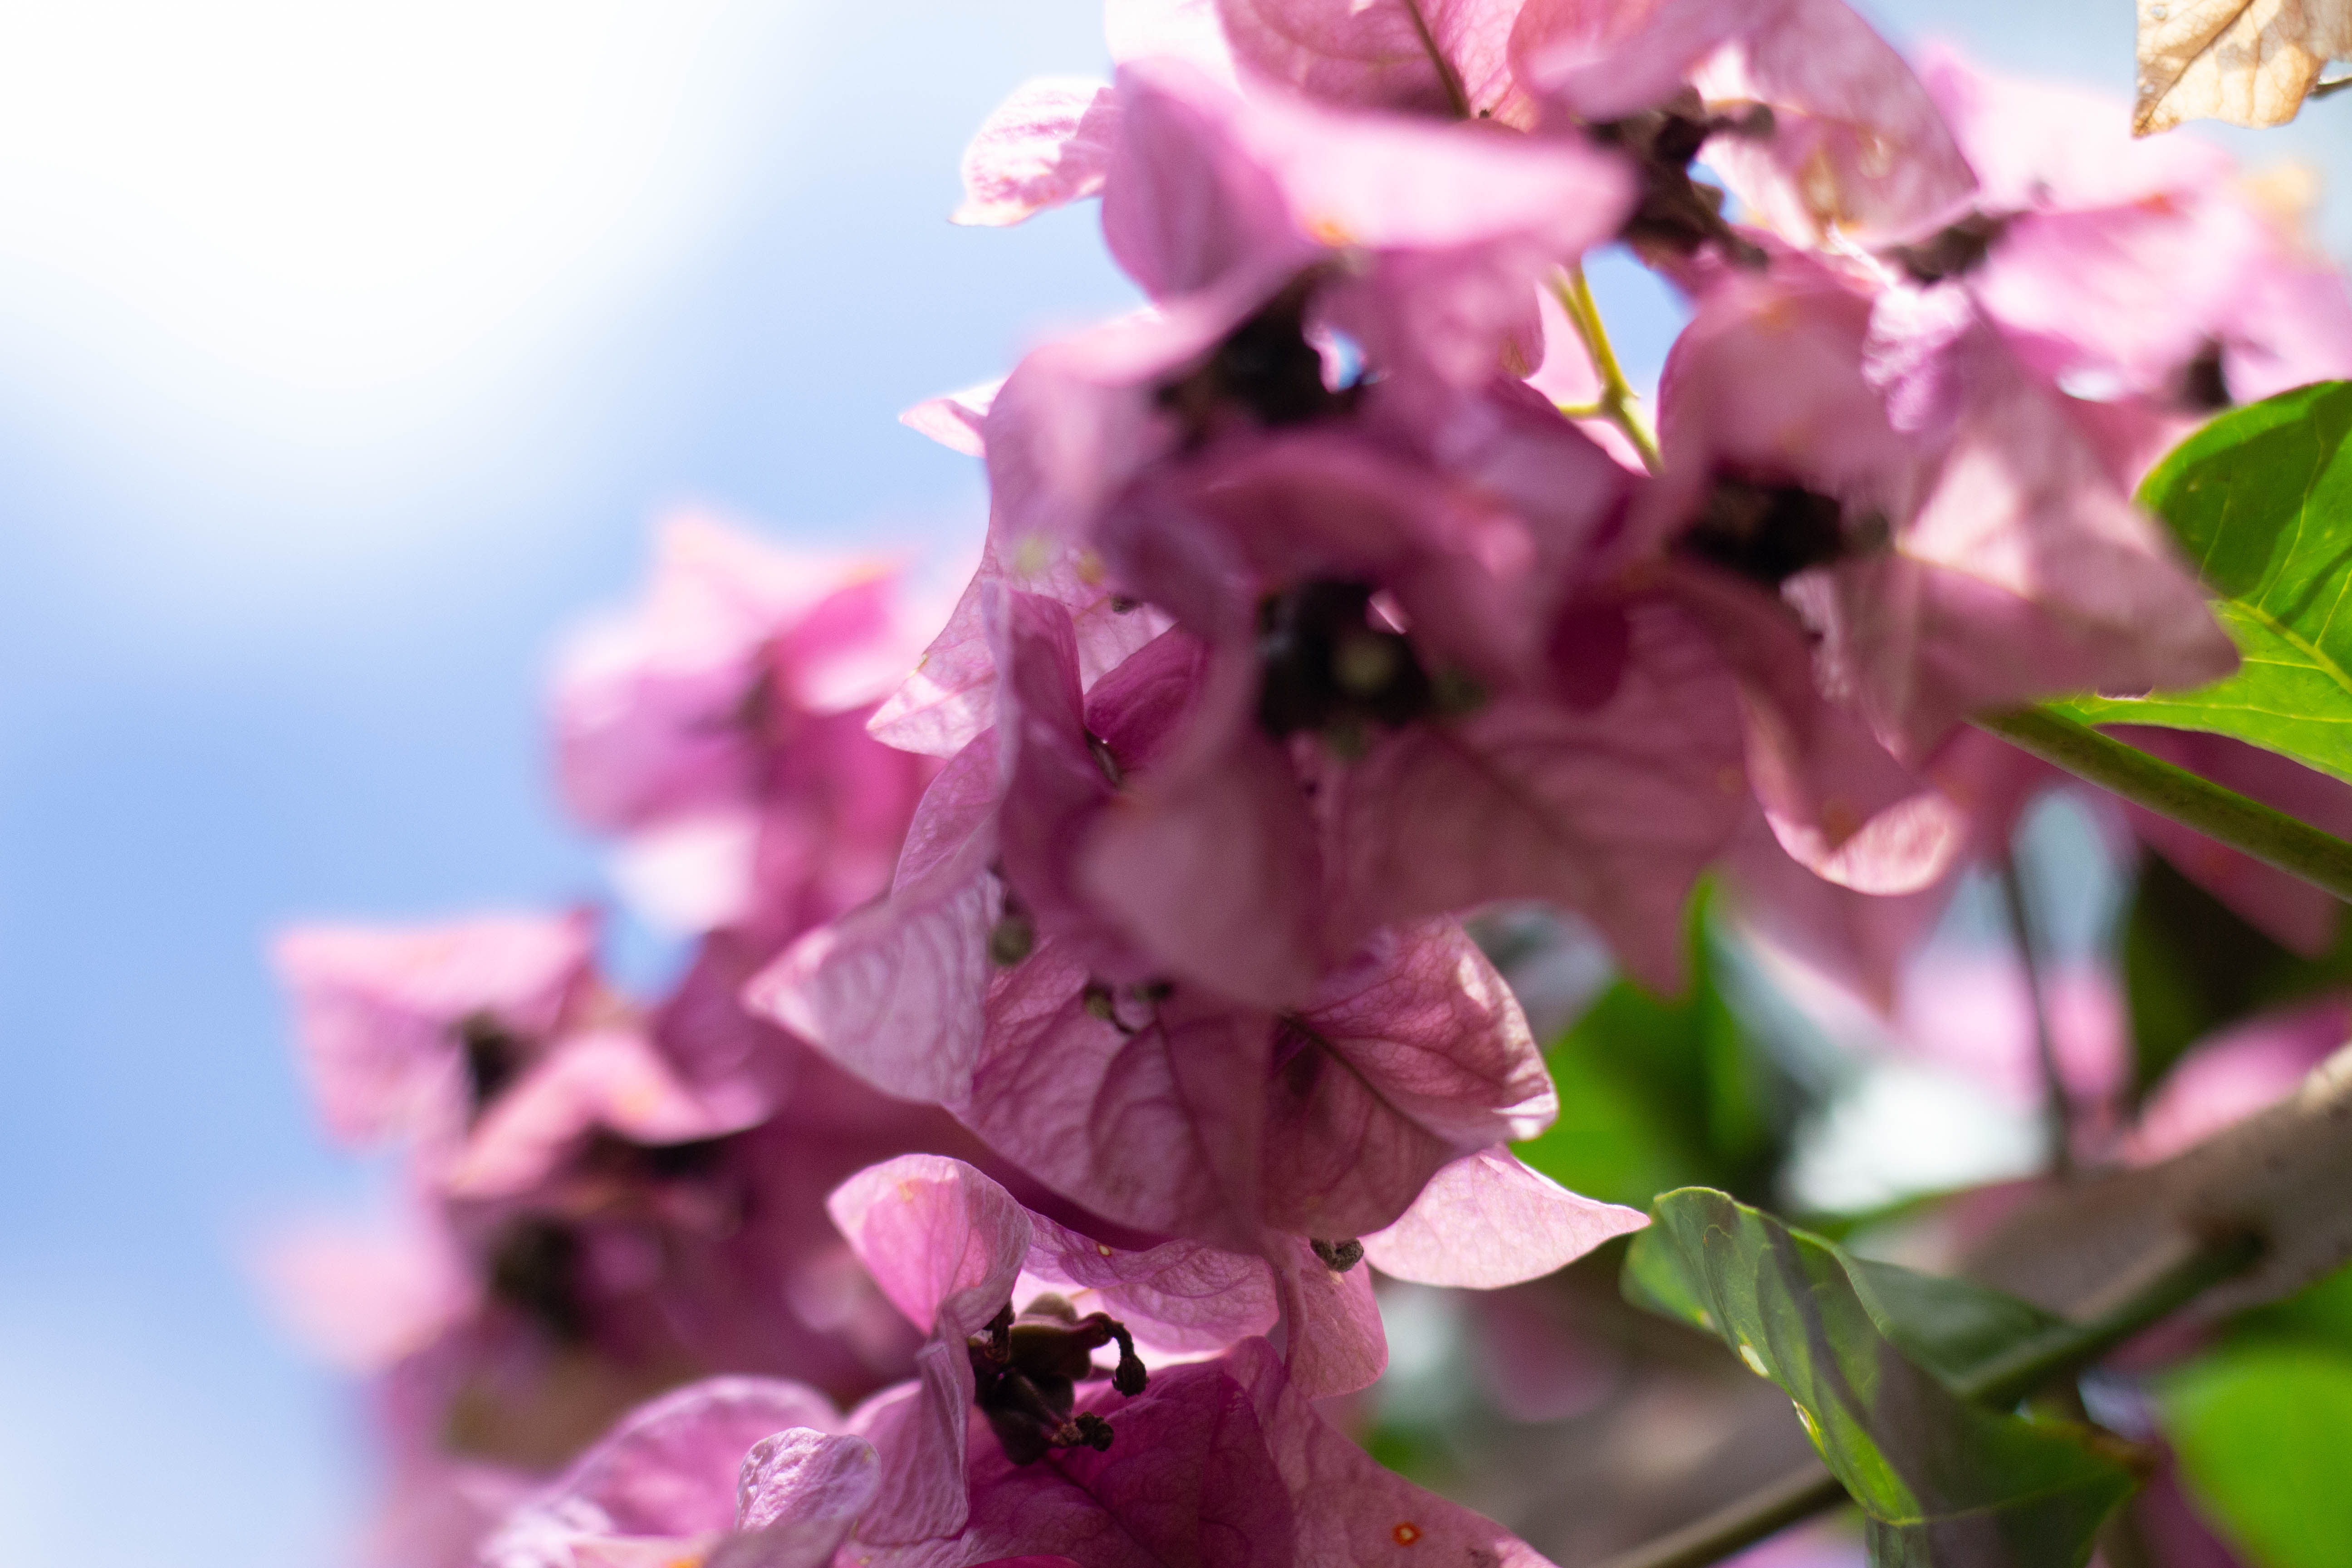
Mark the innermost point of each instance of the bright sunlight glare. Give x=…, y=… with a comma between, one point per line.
x=337, y=193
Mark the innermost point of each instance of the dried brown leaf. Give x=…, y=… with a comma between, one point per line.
x=2249, y=62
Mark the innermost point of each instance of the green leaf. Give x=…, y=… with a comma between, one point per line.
x=1657, y=1093
x=2264, y=1435
x=1942, y=1480
x=2260, y=500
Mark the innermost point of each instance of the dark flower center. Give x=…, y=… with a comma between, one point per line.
x=1766, y=531
x=2203, y=385
x=1675, y=213
x=535, y=1269
x=1328, y=670
x=1952, y=252
x=1025, y=1373
x=1339, y=1256
x=1265, y=368
x=494, y=1058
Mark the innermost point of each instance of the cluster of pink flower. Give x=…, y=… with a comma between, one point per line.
x=1337, y=594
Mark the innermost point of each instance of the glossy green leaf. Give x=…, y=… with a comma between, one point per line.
x=1942, y=1480
x=2264, y=1437
x=2260, y=500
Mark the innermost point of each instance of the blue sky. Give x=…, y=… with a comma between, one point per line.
x=345, y=355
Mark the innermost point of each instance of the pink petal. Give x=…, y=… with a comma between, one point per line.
x=1606, y=60
x=1209, y=862
x=797, y=1496
x=943, y=1241
x=1178, y=29
x=607, y=1079
x=669, y=1468
x=1181, y=1296
x=1336, y=1343
x=955, y=419
x=1187, y=1480
x=1858, y=146
x=1048, y=144
x=375, y=1006
x=1412, y=56
x=1837, y=802
x=1611, y=812
x=1485, y=1221
x=2230, y=1077
x=1412, y=1055
x=1352, y=1509
x=1156, y=1129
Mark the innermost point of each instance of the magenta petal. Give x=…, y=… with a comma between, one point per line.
x=945, y=1244
x=609, y=1078
x=892, y=995
x=954, y=419
x=1611, y=812
x=375, y=1008
x=669, y=1468
x=1441, y=57
x=1182, y=1296
x=2238, y=1072
x=1352, y=1509
x=1187, y=1480
x=1332, y=1326
x=1412, y=1055
x=943, y=1241
x=1859, y=939
x=1486, y=1220
x=799, y=1493
x=1158, y=1128
x=1048, y=144
x=1859, y=148
x=1606, y=60
x=1837, y=802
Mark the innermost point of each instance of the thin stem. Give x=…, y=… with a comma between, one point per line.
x=1619, y=403
x=2045, y=1043
x=2129, y=1306
x=2222, y=815
x=2329, y=88
x=1766, y=1510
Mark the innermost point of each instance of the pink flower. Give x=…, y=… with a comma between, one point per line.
x=721, y=726
x=2228, y=1078
x=1435, y=58
x=1979, y=560
x=735, y=1472
x=2129, y=268
x=1850, y=144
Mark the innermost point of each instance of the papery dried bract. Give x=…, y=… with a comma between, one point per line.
x=2249, y=62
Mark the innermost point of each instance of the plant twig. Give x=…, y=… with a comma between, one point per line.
x=2060, y=1106
x=1618, y=404
x=2129, y=1306
x=2223, y=815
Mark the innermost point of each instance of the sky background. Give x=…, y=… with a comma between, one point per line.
x=347, y=351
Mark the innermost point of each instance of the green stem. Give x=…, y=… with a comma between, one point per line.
x=1619, y=403
x=2000, y=1383
x=2222, y=815
x=2059, y=1112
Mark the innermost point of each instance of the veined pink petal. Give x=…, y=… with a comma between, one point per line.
x=1606, y=60
x=1352, y=1509
x=667, y=1470
x=797, y=1495
x=376, y=1008
x=1154, y=1125
x=1181, y=1296
x=611, y=1078
x=954, y=419
x=943, y=1241
x=1486, y=1220
x=1048, y=144
x=1411, y=1055
x=1335, y=1343
x=1611, y=812
x=1446, y=59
